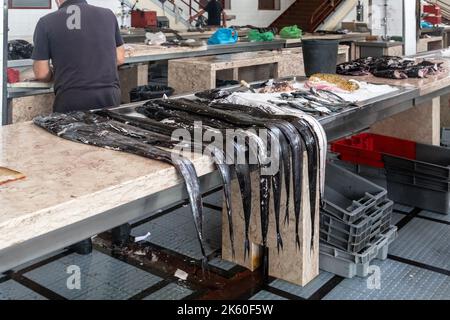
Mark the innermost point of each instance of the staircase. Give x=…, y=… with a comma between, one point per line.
x=178, y=18
x=178, y=15
x=307, y=14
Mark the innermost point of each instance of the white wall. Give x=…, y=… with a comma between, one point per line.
x=246, y=12
x=394, y=17
x=410, y=36
x=23, y=21
x=352, y=15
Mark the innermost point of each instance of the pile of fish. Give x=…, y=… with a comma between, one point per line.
x=289, y=136
x=390, y=67
x=318, y=98
x=19, y=49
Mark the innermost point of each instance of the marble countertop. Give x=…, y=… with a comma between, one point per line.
x=67, y=182
x=384, y=44
x=244, y=58
x=236, y=60
x=138, y=50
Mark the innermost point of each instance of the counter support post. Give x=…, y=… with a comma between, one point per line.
x=421, y=123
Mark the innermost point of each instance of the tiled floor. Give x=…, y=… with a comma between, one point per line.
x=101, y=277
x=437, y=216
x=306, y=291
x=181, y=236
x=418, y=266
x=170, y=292
x=12, y=290
x=398, y=281
x=422, y=241
x=265, y=295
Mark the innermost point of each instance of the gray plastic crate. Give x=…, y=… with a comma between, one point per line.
x=348, y=265
x=374, y=175
x=350, y=246
x=423, y=198
x=348, y=196
x=430, y=160
x=418, y=180
x=354, y=237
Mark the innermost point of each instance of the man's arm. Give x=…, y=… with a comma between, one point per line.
x=42, y=70
x=120, y=55
x=200, y=13
x=120, y=48
x=41, y=54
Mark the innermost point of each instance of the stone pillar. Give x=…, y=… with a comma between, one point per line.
x=421, y=123
x=132, y=76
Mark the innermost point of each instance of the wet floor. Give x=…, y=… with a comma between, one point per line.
x=418, y=266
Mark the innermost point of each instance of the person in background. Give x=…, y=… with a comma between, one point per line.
x=215, y=14
x=85, y=48
x=84, y=45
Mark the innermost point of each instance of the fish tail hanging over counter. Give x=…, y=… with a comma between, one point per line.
x=289, y=139
x=94, y=130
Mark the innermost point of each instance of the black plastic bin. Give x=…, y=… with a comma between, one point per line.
x=420, y=197
x=430, y=160
x=148, y=92
x=320, y=56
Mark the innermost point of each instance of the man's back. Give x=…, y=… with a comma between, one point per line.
x=81, y=41
x=214, y=9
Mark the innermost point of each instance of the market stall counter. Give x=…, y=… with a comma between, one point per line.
x=73, y=191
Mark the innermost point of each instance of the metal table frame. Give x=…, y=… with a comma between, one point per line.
x=211, y=50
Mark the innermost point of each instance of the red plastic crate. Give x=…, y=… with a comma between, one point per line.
x=368, y=149
x=433, y=19
x=13, y=75
x=433, y=9
x=142, y=19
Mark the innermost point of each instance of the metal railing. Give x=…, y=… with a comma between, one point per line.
x=194, y=6
x=189, y=4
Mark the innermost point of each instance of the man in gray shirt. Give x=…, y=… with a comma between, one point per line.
x=84, y=45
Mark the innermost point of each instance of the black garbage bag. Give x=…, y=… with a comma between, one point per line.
x=226, y=83
x=148, y=92
x=19, y=49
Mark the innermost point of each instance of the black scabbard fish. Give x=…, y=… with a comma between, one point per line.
x=84, y=127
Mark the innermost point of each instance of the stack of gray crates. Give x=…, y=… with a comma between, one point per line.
x=355, y=224
x=423, y=182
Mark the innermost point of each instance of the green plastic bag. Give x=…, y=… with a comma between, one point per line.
x=255, y=35
x=291, y=32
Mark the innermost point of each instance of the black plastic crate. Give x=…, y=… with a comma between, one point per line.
x=418, y=180
x=349, y=196
x=430, y=160
x=420, y=197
